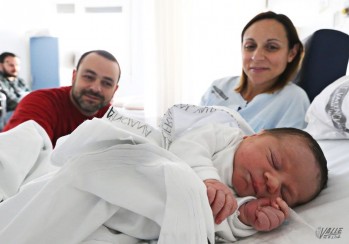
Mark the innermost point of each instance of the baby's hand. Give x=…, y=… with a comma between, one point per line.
x=221, y=198
x=264, y=214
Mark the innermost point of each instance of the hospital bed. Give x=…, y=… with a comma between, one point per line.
x=325, y=60
x=323, y=220
x=24, y=172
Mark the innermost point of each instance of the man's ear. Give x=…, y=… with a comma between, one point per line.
x=117, y=86
x=73, y=79
x=244, y=137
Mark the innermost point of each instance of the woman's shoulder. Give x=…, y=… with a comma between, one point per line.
x=293, y=89
x=293, y=93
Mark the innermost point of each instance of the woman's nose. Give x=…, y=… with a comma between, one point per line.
x=273, y=184
x=258, y=54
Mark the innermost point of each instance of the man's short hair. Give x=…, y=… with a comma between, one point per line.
x=4, y=55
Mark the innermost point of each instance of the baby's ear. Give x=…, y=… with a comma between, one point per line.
x=250, y=136
x=261, y=132
x=256, y=134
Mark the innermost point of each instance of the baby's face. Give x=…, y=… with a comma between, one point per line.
x=266, y=166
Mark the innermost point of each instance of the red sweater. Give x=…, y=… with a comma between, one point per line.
x=53, y=110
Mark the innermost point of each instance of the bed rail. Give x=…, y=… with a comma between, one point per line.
x=2, y=110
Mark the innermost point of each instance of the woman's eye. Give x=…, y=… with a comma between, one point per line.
x=249, y=47
x=272, y=48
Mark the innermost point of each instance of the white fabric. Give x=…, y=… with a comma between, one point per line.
x=328, y=114
x=232, y=229
x=209, y=150
x=306, y=225
x=181, y=118
x=207, y=141
x=160, y=196
x=199, y=134
x=124, y=183
x=24, y=151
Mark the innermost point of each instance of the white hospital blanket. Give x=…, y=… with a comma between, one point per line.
x=116, y=184
x=116, y=179
x=122, y=181
x=24, y=152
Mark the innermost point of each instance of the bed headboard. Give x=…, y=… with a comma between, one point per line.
x=325, y=60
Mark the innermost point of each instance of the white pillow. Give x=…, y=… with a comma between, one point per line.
x=328, y=114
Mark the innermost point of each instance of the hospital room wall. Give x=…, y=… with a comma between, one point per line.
x=77, y=32
x=217, y=51
x=169, y=51
x=207, y=43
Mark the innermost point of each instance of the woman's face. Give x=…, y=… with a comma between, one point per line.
x=265, y=52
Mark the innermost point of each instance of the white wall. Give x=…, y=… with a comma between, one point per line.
x=214, y=36
x=15, y=42
x=77, y=33
x=210, y=37
x=82, y=31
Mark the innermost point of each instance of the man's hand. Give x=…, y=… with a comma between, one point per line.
x=221, y=199
x=264, y=214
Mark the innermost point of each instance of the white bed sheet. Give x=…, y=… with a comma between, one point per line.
x=103, y=181
x=310, y=223
x=324, y=220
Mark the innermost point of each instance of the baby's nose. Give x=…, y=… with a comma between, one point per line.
x=273, y=184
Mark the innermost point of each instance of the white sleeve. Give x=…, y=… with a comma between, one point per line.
x=231, y=229
x=238, y=228
x=198, y=147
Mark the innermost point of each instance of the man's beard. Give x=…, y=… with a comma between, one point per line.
x=87, y=107
x=8, y=75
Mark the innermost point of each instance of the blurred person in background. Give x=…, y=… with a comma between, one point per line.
x=14, y=87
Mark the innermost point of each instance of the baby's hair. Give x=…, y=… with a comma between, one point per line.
x=313, y=146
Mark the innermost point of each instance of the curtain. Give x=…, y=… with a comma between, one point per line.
x=180, y=46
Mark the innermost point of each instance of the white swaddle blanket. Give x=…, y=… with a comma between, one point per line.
x=183, y=117
x=24, y=152
x=117, y=179
x=116, y=183
x=114, y=175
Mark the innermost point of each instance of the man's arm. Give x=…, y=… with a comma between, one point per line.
x=38, y=107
